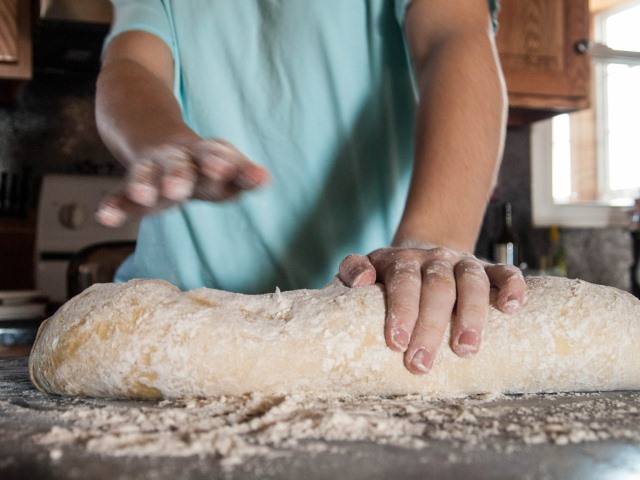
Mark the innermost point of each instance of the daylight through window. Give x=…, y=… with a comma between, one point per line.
x=596, y=153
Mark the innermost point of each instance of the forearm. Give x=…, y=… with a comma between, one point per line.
x=141, y=123
x=458, y=143
x=460, y=127
x=136, y=110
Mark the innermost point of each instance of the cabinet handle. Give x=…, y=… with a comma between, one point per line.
x=602, y=53
x=583, y=46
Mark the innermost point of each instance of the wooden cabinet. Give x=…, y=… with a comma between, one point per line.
x=15, y=45
x=17, y=252
x=15, y=39
x=544, y=71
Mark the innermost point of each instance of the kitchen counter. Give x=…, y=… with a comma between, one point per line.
x=26, y=413
x=14, y=350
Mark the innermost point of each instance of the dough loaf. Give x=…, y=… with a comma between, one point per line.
x=147, y=340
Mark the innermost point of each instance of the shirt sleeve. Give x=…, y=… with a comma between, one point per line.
x=150, y=16
x=401, y=10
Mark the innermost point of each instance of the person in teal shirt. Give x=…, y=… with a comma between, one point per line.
x=275, y=143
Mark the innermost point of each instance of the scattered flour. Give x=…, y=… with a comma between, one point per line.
x=236, y=428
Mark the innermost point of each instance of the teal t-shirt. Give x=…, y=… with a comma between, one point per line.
x=321, y=94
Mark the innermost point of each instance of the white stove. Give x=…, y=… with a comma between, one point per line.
x=66, y=225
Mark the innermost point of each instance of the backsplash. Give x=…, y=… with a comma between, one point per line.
x=51, y=129
x=601, y=256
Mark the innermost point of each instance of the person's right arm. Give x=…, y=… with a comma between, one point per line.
x=141, y=123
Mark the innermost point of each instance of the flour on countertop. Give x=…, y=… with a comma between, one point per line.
x=237, y=428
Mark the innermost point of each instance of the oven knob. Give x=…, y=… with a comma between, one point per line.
x=72, y=216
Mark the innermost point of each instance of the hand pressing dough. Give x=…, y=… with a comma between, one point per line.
x=145, y=339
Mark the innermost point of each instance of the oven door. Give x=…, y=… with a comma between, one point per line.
x=68, y=232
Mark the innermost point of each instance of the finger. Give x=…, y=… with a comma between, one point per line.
x=357, y=271
x=472, y=307
x=511, y=286
x=251, y=176
x=114, y=210
x=402, y=279
x=212, y=159
x=222, y=162
x=142, y=182
x=110, y=212
x=207, y=189
x=438, y=296
x=178, y=173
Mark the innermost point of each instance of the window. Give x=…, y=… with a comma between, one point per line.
x=594, y=172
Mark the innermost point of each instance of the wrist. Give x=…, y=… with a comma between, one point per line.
x=427, y=241
x=413, y=243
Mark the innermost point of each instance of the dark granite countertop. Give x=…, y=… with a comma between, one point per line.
x=25, y=412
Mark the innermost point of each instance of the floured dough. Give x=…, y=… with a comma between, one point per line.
x=145, y=339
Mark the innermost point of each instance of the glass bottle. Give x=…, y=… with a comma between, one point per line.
x=557, y=259
x=506, y=248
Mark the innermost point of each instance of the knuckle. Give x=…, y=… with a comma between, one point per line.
x=441, y=253
x=143, y=167
x=164, y=154
x=398, y=267
x=510, y=270
x=379, y=255
x=409, y=267
x=438, y=275
x=513, y=275
x=472, y=273
x=378, y=252
x=172, y=151
x=402, y=254
x=516, y=272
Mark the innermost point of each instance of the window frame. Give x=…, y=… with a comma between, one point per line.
x=591, y=214
x=545, y=212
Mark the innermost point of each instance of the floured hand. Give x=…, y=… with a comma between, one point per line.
x=174, y=172
x=427, y=289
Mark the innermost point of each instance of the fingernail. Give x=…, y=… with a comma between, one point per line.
x=468, y=342
x=422, y=360
x=469, y=338
x=400, y=338
x=251, y=177
x=177, y=188
x=511, y=304
x=110, y=216
x=143, y=193
x=365, y=276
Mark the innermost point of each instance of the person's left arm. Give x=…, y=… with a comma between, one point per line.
x=430, y=272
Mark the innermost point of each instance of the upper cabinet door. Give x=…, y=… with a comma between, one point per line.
x=15, y=39
x=545, y=73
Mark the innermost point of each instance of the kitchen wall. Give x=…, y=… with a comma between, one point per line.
x=51, y=129
x=597, y=255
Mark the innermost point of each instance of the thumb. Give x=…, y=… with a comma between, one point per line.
x=357, y=271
